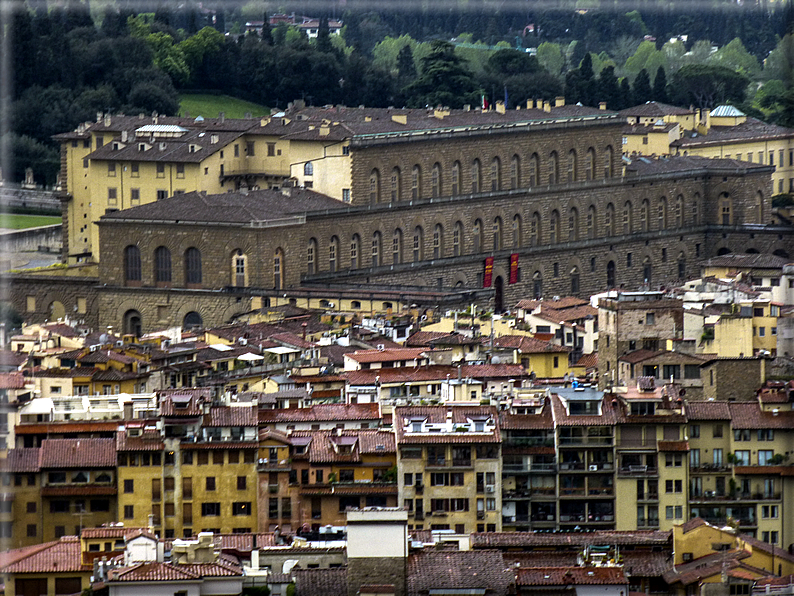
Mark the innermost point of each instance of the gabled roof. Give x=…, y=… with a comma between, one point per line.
x=58, y=556
x=324, y=445
x=654, y=108
x=321, y=413
x=243, y=415
x=525, y=344
x=458, y=570
x=78, y=453
x=23, y=460
x=707, y=410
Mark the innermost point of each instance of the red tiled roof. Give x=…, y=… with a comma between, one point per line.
x=12, y=380
x=78, y=453
x=749, y=415
x=438, y=415
x=152, y=572
x=54, y=557
x=115, y=532
x=608, y=415
x=564, y=576
x=23, y=460
x=62, y=428
x=149, y=440
x=526, y=344
x=439, y=338
x=461, y=570
x=321, y=582
x=388, y=355
x=103, y=356
x=242, y=415
x=575, y=540
x=322, y=445
x=588, y=360
x=291, y=339
x=527, y=421
x=321, y=413
x=707, y=410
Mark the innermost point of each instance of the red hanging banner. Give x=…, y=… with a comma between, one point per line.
x=488, y=276
x=513, y=268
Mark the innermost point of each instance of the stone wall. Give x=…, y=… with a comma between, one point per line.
x=45, y=298
x=380, y=571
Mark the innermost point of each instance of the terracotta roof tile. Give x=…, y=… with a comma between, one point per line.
x=749, y=415
x=321, y=413
x=564, y=576
x=440, y=570
x=78, y=453
x=387, y=355
x=503, y=540
x=115, y=532
x=439, y=338
x=152, y=572
x=588, y=360
x=321, y=582
x=92, y=427
x=707, y=410
x=59, y=556
x=23, y=460
x=12, y=380
x=527, y=421
x=243, y=415
x=149, y=440
x=526, y=345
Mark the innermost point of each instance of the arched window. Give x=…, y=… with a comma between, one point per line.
x=311, y=257
x=456, y=179
x=438, y=241
x=591, y=221
x=355, y=249
x=608, y=155
x=374, y=186
x=627, y=223
x=611, y=274
x=397, y=247
x=416, y=182
x=192, y=320
x=681, y=266
x=395, y=185
x=647, y=270
x=679, y=211
x=575, y=281
x=308, y=169
x=537, y=285
x=759, y=207
x=457, y=239
x=696, y=209
x=278, y=269
x=589, y=164
x=497, y=233
x=132, y=323
x=573, y=224
x=376, y=249
x=477, y=236
x=475, y=176
x=554, y=227
x=535, y=237
x=333, y=254
x=132, y=265
x=418, y=244
x=572, y=165
x=192, y=266
x=496, y=174
x=609, y=220
x=645, y=215
x=534, y=170
x=516, y=231
x=726, y=218
x=239, y=269
x=162, y=265
x=515, y=172
x=435, y=180
x=662, y=215
x=554, y=168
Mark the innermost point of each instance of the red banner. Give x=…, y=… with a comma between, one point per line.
x=488, y=277
x=513, y=268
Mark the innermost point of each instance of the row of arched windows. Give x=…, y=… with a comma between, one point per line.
x=163, y=274
x=484, y=177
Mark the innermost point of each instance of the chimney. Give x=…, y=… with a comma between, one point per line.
x=530, y=104
x=221, y=117
x=107, y=119
x=500, y=107
x=325, y=131
x=602, y=106
x=559, y=102
x=99, y=117
x=547, y=106
x=123, y=136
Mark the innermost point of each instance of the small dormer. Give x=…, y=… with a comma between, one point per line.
x=193, y=148
x=415, y=424
x=144, y=146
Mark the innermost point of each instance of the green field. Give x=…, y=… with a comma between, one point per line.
x=209, y=106
x=19, y=222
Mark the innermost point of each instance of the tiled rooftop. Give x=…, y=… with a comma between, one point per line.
x=78, y=453
x=458, y=570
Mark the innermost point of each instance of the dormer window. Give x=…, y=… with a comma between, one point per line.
x=479, y=426
x=416, y=426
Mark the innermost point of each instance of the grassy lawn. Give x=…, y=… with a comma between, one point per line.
x=210, y=105
x=19, y=222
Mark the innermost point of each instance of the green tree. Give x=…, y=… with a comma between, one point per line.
x=637, y=61
x=406, y=68
x=641, y=90
x=609, y=90
x=444, y=80
x=551, y=58
x=736, y=57
x=706, y=86
x=660, y=86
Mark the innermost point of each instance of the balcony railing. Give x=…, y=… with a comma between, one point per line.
x=709, y=468
x=636, y=444
x=572, y=492
x=570, y=518
x=518, y=468
x=637, y=471
x=587, y=441
x=643, y=522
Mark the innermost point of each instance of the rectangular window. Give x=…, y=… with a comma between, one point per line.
x=161, y=170
x=135, y=196
x=210, y=509
x=134, y=171
x=112, y=197
x=717, y=431
x=346, y=195
x=210, y=483
x=111, y=169
x=180, y=170
x=129, y=486
x=241, y=482
x=241, y=508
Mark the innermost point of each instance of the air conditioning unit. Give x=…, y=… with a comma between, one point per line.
x=262, y=462
x=489, y=488
x=709, y=493
x=593, y=468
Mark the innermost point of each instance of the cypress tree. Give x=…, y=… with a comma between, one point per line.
x=642, y=88
x=660, y=86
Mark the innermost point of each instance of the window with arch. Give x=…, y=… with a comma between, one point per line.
x=374, y=186
x=308, y=169
x=193, y=266
x=609, y=220
x=647, y=270
x=355, y=250
x=278, y=269
x=572, y=165
x=662, y=213
x=397, y=247
x=192, y=320
x=554, y=168
x=573, y=224
x=759, y=207
x=534, y=170
x=681, y=266
x=456, y=179
x=679, y=211
x=554, y=227
x=496, y=174
x=645, y=215
x=133, y=323
x=416, y=182
x=476, y=172
x=311, y=257
x=591, y=222
x=132, y=265
x=575, y=281
x=696, y=209
x=457, y=239
x=435, y=181
x=497, y=233
x=537, y=285
x=516, y=231
x=534, y=230
x=725, y=209
x=438, y=241
x=627, y=218
x=608, y=156
x=162, y=265
x=418, y=243
x=611, y=274
x=239, y=269
x=376, y=249
x=333, y=254
x=515, y=172
x=395, y=185
x=477, y=244
x=590, y=164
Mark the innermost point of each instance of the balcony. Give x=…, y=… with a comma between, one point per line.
x=273, y=465
x=573, y=492
x=643, y=522
x=564, y=519
x=586, y=441
x=572, y=466
x=526, y=468
x=638, y=471
x=461, y=463
x=708, y=468
x=641, y=444
x=648, y=497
